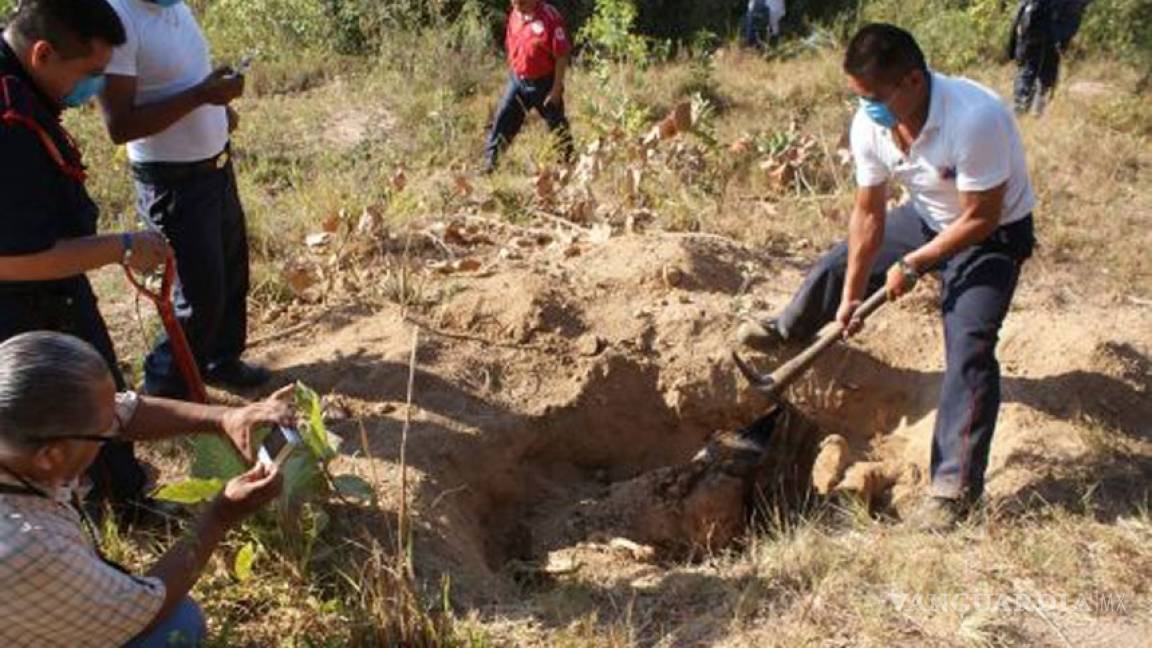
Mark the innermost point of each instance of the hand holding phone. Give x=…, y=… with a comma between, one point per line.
x=278, y=446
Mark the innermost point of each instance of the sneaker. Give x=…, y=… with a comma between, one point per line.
x=760, y=334
x=939, y=514
x=237, y=374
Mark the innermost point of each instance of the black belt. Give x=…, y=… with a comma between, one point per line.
x=176, y=171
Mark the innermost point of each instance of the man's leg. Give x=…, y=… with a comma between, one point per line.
x=232, y=337
x=978, y=285
x=506, y=125
x=818, y=299
x=1024, y=89
x=1047, y=73
x=190, y=212
x=556, y=120
x=185, y=627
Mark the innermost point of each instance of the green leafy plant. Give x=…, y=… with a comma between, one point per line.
x=297, y=519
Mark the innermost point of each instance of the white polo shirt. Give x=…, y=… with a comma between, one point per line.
x=970, y=142
x=167, y=53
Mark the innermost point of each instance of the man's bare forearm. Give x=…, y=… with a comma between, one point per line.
x=68, y=258
x=561, y=72
x=137, y=122
x=180, y=566
x=161, y=418
x=865, y=236
x=968, y=230
x=980, y=218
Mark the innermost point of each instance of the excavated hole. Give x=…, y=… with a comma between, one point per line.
x=621, y=448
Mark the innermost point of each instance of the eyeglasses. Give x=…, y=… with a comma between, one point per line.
x=112, y=434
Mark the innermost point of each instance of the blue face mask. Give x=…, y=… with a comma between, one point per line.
x=878, y=111
x=84, y=90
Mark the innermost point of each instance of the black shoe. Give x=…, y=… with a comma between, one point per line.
x=236, y=373
x=164, y=388
x=941, y=514
x=760, y=334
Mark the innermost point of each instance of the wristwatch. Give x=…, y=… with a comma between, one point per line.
x=908, y=271
x=126, y=243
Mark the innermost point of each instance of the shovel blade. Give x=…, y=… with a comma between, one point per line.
x=762, y=382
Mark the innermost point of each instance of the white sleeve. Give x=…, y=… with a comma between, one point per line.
x=984, y=149
x=870, y=169
x=123, y=61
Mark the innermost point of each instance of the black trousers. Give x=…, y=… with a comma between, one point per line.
x=520, y=96
x=1038, y=69
x=116, y=474
x=199, y=211
x=978, y=284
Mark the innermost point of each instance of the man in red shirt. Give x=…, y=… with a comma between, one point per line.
x=538, y=48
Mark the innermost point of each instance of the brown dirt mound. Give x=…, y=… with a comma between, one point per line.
x=550, y=389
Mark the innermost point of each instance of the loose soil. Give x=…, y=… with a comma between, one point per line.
x=560, y=398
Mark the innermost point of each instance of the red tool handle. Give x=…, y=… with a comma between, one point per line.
x=185, y=361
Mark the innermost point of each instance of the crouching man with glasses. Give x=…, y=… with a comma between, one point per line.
x=58, y=406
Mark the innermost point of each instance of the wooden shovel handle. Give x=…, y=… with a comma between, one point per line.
x=787, y=373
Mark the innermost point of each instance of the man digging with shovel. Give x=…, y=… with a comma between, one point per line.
x=955, y=147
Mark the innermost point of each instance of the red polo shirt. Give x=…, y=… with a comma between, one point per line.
x=534, y=41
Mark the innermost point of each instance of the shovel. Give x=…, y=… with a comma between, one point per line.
x=773, y=385
x=181, y=350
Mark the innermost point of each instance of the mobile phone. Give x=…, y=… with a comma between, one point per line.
x=278, y=446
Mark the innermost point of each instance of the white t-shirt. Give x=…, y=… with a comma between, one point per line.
x=970, y=142
x=167, y=54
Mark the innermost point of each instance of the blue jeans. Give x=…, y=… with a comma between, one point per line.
x=978, y=284
x=755, y=21
x=520, y=96
x=200, y=213
x=184, y=627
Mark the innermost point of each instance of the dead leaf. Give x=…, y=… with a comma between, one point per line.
x=299, y=277
x=681, y=116
x=371, y=220
x=545, y=186
x=319, y=239
x=399, y=179
x=637, y=551
x=740, y=147
x=332, y=223
x=456, y=266
x=600, y=233
x=463, y=185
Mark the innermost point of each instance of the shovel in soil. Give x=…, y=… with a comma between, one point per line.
x=773, y=384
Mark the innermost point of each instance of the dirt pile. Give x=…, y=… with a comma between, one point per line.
x=560, y=398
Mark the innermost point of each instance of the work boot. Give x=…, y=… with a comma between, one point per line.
x=237, y=374
x=939, y=514
x=760, y=334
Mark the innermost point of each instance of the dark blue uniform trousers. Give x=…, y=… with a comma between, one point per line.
x=520, y=96
x=116, y=474
x=978, y=284
x=200, y=213
x=1038, y=70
